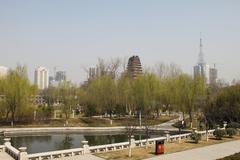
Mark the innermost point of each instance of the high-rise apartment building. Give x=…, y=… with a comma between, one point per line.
x=213, y=74
x=60, y=76
x=41, y=78
x=93, y=73
x=3, y=71
x=134, y=67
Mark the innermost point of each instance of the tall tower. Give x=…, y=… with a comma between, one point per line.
x=201, y=69
x=41, y=78
x=201, y=56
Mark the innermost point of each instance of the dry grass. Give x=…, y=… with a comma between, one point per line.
x=141, y=152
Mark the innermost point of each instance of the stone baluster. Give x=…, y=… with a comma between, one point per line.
x=132, y=142
x=23, y=155
x=7, y=141
x=85, y=147
x=167, y=135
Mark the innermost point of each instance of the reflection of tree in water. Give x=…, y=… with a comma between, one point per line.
x=1, y=140
x=105, y=139
x=28, y=140
x=66, y=143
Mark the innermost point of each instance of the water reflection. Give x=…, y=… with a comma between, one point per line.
x=66, y=143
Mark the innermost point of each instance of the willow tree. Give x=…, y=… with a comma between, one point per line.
x=101, y=94
x=17, y=90
x=124, y=94
x=67, y=96
x=190, y=90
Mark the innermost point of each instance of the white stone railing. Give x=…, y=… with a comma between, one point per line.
x=109, y=147
x=178, y=137
x=56, y=154
x=13, y=152
x=144, y=142
x=210, y=132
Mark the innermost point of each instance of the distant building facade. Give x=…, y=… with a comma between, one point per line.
x=93, y=73
x=213, y=75
x=134, y=67
x=3, y=71
x=60, y=76
x=41, y=78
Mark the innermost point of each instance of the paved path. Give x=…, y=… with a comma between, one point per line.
x=211, y=152
x=83, y=157
x=5, y=156
x=167, y=125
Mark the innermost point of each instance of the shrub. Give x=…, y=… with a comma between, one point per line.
x=195, y=137
x=234, y=125
x=218, y=133
x=231, y=132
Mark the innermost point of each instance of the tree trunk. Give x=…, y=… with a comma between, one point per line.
x=190, y=118
x=13, y=118
x=130, y=149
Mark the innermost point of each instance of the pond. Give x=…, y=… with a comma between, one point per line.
x=51, y=142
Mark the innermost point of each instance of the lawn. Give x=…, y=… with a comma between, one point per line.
x=142, y=153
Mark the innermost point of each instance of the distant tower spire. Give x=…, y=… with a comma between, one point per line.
x=201, y=56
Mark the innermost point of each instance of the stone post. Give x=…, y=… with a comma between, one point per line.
x=224, y=124
x=206, y=135
x=132, y=142
x=167, y=135
x=23, y=155
x=7, y=141
x=85, y=147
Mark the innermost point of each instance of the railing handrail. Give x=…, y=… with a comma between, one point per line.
x=12, y=150
x=54, y=152
x=180, y=135
x=109, y=145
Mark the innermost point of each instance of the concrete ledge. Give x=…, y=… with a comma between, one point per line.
x=10, y=131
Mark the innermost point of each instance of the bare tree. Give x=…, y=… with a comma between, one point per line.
x=130, y=131
x=147, y=127
x=167, y=70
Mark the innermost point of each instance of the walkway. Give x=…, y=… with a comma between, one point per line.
x=83, y=157
x=5, y=156
x=211, y=152
x=167, y=125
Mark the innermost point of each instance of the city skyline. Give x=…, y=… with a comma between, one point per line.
x=73, y=34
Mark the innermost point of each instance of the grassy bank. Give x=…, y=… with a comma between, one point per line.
x=87, y=122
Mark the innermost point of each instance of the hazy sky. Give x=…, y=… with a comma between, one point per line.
x=72, y=34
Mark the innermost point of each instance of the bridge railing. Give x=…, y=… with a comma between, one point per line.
x=13, y=152
x=109, y=147
x=56, y=154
